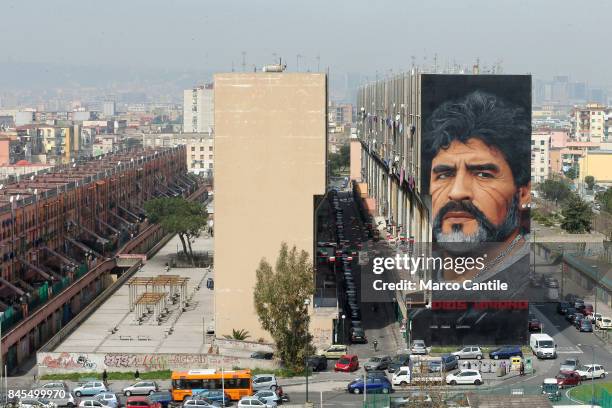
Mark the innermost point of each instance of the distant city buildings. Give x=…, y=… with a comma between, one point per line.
x=199, y=148
x=198, y=109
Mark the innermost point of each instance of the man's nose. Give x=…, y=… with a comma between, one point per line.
x=461, y=188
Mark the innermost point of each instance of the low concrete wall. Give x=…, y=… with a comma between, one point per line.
x=58, y=363
x=243, y=345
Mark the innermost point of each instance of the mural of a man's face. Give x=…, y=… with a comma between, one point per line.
x=473, y=193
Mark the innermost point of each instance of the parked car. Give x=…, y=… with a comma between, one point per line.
x=569, y=313
x=570, y=364
x=568, y=379
x=270, y=397
x=90, y=403
x=418, y=347
x=54, y=385
x=371, y=385
x=141, y=388
x=109, y=399
x=262, y=355
x=535, y=325
x=576, y=317
x=347, y=363
x=469, y=352
x=377, y=363
x=578, y=304
x=144, y=402
x=605, y=323
x=358, y=335
x=589, y=371
x=376, y=374
x=90, y=388
x=163, y=397
x=335, y=351
x=587, y=310
x=585, y=326
x=562, y=307
x=414, y=399
x=317, y=363
x=213, y=395
x=254, y=402
x=505, y=352
x=198, y=403
x=34, y=403
x=464, y=377
x=398, y=361
x=264, y=382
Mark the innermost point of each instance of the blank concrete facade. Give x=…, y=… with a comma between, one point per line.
x=270, y=164
x=198, y=108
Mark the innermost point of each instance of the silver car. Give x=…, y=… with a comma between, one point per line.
x=141, y=388
x=469, y=352
x=418, y=347
x=268, y=396
x=109, y=399
x=264, y=382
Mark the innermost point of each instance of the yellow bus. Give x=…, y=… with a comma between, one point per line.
x=236, y=383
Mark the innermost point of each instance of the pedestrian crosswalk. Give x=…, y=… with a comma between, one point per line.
x=569, y=350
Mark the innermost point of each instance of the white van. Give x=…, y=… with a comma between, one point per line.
x=401, y=376
x=543, y=346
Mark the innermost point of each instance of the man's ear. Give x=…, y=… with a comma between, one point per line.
x=524, y=193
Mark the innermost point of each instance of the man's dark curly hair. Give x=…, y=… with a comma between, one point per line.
x=481, y=116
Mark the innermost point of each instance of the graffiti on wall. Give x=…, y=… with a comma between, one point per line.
x=69, y=360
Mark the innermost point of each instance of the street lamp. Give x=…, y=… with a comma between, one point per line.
x=343, y=330
x=306, y=303
x=534, y=230
x=596, y=286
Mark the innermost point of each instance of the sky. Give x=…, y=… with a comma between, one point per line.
x=542, y=37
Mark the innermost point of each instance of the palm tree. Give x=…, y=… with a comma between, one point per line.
x=238, y=335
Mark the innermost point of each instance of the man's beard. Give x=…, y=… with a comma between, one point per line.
x=486, y=232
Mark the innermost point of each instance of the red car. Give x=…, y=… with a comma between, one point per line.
x=347, y=363
x=588, y=309
x=141, y=402
x=535, y=325
x=568, y=379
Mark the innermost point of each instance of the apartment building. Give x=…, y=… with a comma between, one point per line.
x=540, y=156
x=590, y=123
x=199, y=148
x=270, y=168
x=198, y=109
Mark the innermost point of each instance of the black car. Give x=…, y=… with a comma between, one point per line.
x=562, y=307
x=569, y=313
x=358, y=335
x=263, y=355
x=400, y=360
x=376, y=374
x=317, y=363
x=576, y=317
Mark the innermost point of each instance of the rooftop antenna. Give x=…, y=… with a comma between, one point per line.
x=318, y=63
x=243, y=61
x=297, y=58
x=232, y=66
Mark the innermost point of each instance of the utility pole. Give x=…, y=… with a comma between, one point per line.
x=243, y=61
x=318, y=63
x=297, y=59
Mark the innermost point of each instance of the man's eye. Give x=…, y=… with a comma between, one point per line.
x=483, y=174
x=443, y=176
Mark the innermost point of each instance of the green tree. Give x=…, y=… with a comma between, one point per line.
x=179, y=216
x=577, y=215
x=555, y=189
x=279, y=298
x=339, y=162
x=605, y=199
x=590, y=182
x=571, y=173
x=238, y=334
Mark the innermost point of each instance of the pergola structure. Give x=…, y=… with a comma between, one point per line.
x=172, y=287
x=148, y=303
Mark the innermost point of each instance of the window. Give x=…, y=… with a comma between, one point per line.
x=210, y=156
x=210, y=148
x=193, y=148
x=542, y=143
x=201, y=148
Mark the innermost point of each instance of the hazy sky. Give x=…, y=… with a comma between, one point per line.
x=544, y=37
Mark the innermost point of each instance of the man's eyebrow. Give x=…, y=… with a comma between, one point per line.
x=443, y=168
x=483, y=167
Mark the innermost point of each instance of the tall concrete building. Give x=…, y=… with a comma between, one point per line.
x=540, y=159
x=270, y=167
x=198, y=109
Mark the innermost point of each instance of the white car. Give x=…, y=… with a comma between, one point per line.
x=464, y=377
x=255, y=402
x=589, y=371
x=141, y=388
x=418, y=347
x=604, y=323
x=469, y=352
x=32, y=403
x=92, y=403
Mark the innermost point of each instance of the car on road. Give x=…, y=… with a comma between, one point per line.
x=418, y=347
x=469, y=352
x=335, y=351
x=585, y=326
x=588, y=309
x=570, y=364
x=264, y=382
x=317, y=363
x=535, y=325
x=589, y=371
x=568, y=379
x=569, y=313
x=270, y=397
x=562, y=307
x=358, y=335
x=163, y=397
x=110, y=399
x=254, y=402
x=54, y=385
x=89, y=388
x=371, y=385
x=605, y=323
x=262, y=355
x=36, y=403
x=199, y=403
x=463, y=377
x=91, y=403
x=347, y=363
x=145, y=402
x=377, y=363
x=579, y=304
x=141, y=388
x=414, y=399
x=576, y=316
x=505, y=352
x=400, y=360
x=213, y=395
